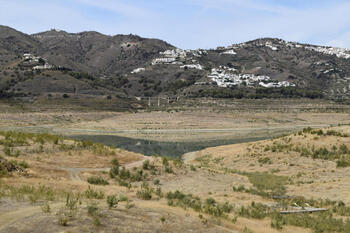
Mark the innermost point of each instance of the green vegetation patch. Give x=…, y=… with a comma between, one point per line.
x=267, y=181
x=340, y=154
x=97, y=180
x=209, y=206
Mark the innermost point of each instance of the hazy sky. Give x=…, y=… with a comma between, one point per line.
x=188, y=23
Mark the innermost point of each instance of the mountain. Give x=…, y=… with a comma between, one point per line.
x=90, y=63
x=14, y=43
x=96, y=53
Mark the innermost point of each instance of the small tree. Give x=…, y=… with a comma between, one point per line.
x=112, y=201
x=42, y=61
x=145, y=165
x=115, y=169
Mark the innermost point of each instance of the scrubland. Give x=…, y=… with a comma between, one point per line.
x=62, y=185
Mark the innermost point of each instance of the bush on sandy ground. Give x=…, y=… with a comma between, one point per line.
x=97, y=180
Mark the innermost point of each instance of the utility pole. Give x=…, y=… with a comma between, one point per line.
x=158, y=101
x=149, y=101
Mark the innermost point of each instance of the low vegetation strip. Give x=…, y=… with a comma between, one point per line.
x=265, y=184
x=210, y=206
x=14, y=143
x=338, y=153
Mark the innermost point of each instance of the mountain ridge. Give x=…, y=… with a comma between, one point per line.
x=136, y=66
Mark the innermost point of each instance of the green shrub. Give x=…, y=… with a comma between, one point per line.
x=92, y=210
x=72, y=201
x=97, y=180
x=318, y=132
x=177, y=198
x=10, y=152
x=265, y=160
x=307, y=130
x=343, y=162
x=137, y=176
x=63, y=220
x=46, y=208
x=112, y=201
x=210, y=206
x=100, y=149
x=343, y=149
x=156, y=182
x=159, y=192
x=124, y=183
x=115, y=162
x=124, y=174
x=335, y=133
x=255, y=211
x=144, y=194
x=305, y=152
x=23, y=164
x=123, y=198
x=168, y=169
x=93, y=194
x=277, y=221
x=318, y=222
x=240, y=188
x=178, y=163
x=115, y=169
x=165, y=161
x=193, y=168
x=146, y=165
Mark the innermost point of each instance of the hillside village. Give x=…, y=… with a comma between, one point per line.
x=339, y=52
x=228, y=77
x=274, y=45
x=222, y=76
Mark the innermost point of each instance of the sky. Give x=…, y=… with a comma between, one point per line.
x=188, y=24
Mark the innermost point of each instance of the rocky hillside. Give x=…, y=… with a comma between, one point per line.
x=91, y=63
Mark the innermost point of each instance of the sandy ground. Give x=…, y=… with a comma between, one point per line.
x=69, y=170
x=312, y=178
x=172, y=126
x=187, y=119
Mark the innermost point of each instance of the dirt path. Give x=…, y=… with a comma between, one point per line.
x=74, y=171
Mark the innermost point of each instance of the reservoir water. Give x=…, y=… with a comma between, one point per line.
x=171, y=149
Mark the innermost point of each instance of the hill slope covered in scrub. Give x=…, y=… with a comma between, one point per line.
x=91, y=63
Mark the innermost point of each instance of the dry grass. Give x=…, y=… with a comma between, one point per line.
x=312, y=178
x=216, y=171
